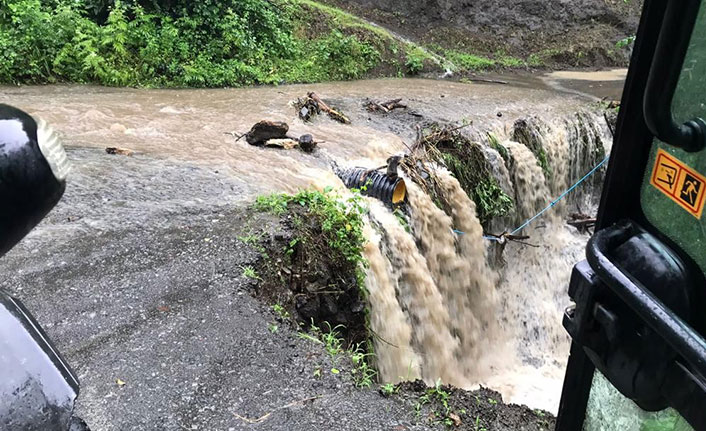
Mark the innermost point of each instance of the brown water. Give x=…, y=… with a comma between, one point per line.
x=438, y=308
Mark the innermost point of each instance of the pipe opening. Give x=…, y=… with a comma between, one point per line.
x=399, y=193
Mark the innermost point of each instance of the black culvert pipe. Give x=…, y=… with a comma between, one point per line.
x=375, y=184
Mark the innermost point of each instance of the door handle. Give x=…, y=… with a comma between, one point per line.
x=672, y=46
x=676, y=332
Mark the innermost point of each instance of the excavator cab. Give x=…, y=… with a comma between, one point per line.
x=638, y=322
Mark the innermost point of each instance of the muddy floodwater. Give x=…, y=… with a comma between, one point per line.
x=135, y=233
x=196, y=125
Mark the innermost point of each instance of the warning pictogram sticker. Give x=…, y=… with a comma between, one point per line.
x=680, y=183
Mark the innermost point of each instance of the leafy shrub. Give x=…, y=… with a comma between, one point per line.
x=415, y=60
x=169, y=43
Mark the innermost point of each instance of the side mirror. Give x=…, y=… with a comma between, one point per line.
x=33, y=169
x=37, y=387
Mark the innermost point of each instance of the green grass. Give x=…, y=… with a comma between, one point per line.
x=465, y=62
x=362, y=372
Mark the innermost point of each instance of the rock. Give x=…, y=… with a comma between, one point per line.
x=285, y=144
x=307, y=143
x=266, y=130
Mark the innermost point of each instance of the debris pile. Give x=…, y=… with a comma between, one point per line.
x=465, y=159
x=312, y=105
x=274, y=134
x=389, y=106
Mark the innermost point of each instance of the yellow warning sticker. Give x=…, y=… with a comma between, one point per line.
x=680, y=183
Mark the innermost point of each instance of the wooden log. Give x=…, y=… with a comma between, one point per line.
x=386, y=107
x=285, y=144
x=335, y=115
x=119, y=151
x=266, y=130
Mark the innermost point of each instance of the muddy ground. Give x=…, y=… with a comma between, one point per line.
x=138, y=276
x=560, y=33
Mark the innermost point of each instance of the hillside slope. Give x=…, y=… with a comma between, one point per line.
x=552, y=33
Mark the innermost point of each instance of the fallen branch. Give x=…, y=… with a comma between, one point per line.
x=119, y=151
x=327, y=109
x=385, y=107
x=490, y=81
x=505, y=236
x=266, y=416
x=313, y=105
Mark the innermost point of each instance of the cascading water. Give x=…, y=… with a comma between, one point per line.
x=442, y=309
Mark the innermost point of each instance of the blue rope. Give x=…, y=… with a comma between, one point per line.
x=551, y=205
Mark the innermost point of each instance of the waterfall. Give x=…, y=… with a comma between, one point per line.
x=444, y=307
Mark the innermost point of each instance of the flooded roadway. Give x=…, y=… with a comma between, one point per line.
x=137, y=273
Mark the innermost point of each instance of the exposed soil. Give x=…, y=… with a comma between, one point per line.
x=560, y=34
x=482, y=409
x=302, y=273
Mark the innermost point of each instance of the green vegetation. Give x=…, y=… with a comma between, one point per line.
x=466, y=160
x=624, y=43
x=389, y=389
x=249, y=272
x=414, y=60
x=187, y=44
x=362, y=372
x=468, y=62
x=341, y=222
x=438, y=396
x=497, y=146
x=281, y=312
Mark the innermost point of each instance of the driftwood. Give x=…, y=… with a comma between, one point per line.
x=266, y=130
x=312, y=105
x=273, y=134
x=285, y=144
x=505, y=236
x=386, y=107
x=584, y=223
x=327, y=109
x=489, y=81
x=119, y=151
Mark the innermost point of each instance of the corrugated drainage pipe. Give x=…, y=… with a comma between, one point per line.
x=379, y=185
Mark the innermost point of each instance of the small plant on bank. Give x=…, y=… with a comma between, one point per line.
x=415, y=60
x=272, y=327
x=249, y=272
x=363, y=374
x=281, y=312
x=477, y=426
x=437, y=395
x=389, y=389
